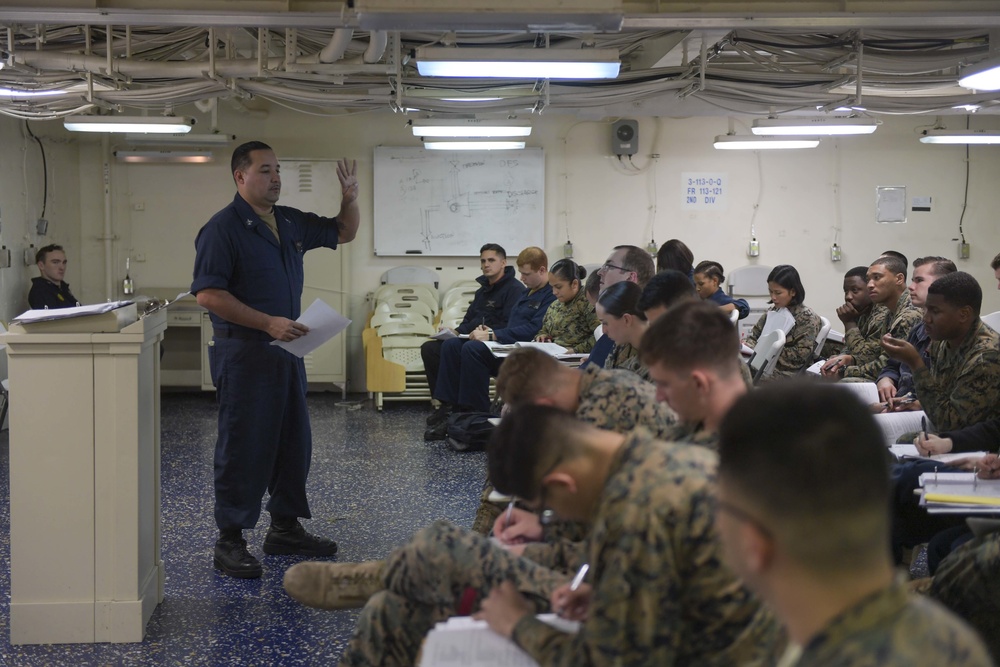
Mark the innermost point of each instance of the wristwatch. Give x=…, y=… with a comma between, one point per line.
x=490, y=334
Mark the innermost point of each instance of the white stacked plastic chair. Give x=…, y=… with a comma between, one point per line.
x=992, y=320
x=408, y=293
x=765, y=356
x=417, y=309
x=410, y=275
x=750, y=283
x=824, y=331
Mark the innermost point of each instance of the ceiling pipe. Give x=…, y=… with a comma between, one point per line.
x=377, y=41
x=69, y=62
x=333, y=51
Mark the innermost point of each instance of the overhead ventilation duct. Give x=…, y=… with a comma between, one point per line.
x=487, y=15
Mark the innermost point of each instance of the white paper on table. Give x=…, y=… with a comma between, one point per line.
x=324, y=323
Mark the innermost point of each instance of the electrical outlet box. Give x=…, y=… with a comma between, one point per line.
x=4, y=257
x=835, y=254
x=753, y=250
x=42, y=227
x=29, y=255
x=964, y=250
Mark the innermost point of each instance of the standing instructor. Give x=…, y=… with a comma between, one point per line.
x=248, y=273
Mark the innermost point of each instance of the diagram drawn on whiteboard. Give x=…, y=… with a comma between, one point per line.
x=446, y=204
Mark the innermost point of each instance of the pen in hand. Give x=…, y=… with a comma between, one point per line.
x=510, y=513
x=578, y=579
x=923, y=427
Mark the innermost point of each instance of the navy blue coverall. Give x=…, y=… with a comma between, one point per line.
x=264, y=441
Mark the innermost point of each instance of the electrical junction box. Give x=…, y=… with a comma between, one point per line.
x=625, y=137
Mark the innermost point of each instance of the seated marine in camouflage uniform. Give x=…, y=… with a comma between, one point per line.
x=786, y=290
x=657, y=593
x=864, y=324
x=959, y=388
x=814, y=543
x=616, y=400
x=570, y=321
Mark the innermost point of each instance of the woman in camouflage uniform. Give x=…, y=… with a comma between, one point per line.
x=571, y=320
x=786, y=290
x=624, y=323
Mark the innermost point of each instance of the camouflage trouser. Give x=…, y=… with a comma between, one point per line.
x=487, y=513
x=966, y=582
x=426, y=581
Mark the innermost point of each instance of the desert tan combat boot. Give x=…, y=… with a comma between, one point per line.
x=334, y=585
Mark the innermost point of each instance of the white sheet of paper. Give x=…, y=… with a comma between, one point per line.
x=867, y=392
x=445, y=334
x=64, y=313
x=324, y=323
x=895, y=424
x=777, y=319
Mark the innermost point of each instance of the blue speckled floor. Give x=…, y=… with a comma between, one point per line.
x=373, y=482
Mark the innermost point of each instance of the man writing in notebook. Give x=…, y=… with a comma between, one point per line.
x=814, y=544
x=886, y=287
x=864, y=324
x=649, y=603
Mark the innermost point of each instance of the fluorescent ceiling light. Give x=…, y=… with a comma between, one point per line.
x=180, y=139
x=470, y=127
x=813, y=126
x=518, y=63
x=732, y=142
x=983, y=75
x=151, y=124
x=176, y=157
x=960, y=137
x=441, y=145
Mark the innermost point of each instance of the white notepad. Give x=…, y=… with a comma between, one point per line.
x=462, y=641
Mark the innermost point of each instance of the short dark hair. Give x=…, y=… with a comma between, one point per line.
x=898, y=255
x=568, y=270
x=665, y=289
x=241, y=159
x=674, y=254
x=940, y=266
x=995, y=264
x=621, y=298
x=529, y=441
x=711, y=269
x=778, y=449
x=593, y=286
x=786, y=276
x=692, y=334
x=959, y=289
x=858, y=272
x=892, y=264
x=494, y=247
x=44, y=251
x=525, y=375
x=638, y=260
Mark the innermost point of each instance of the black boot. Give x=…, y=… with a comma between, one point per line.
x=437, y=432
x=439, y=415
x=287, y=537
x=232, y=557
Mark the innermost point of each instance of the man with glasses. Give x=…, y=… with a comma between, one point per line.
x=814, y=543
x=656, y=594
x=627, y=262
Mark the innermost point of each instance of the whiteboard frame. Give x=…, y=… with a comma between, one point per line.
x=512, y=214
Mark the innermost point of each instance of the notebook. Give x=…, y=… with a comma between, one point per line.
x=462, y=641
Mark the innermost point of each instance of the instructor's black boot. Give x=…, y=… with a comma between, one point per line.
x=232, y=557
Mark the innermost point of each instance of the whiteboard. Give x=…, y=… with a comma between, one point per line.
x=452, y=202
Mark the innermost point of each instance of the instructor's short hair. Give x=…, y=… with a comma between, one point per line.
x=241, y=159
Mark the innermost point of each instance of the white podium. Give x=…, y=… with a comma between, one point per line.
x=84, y=480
